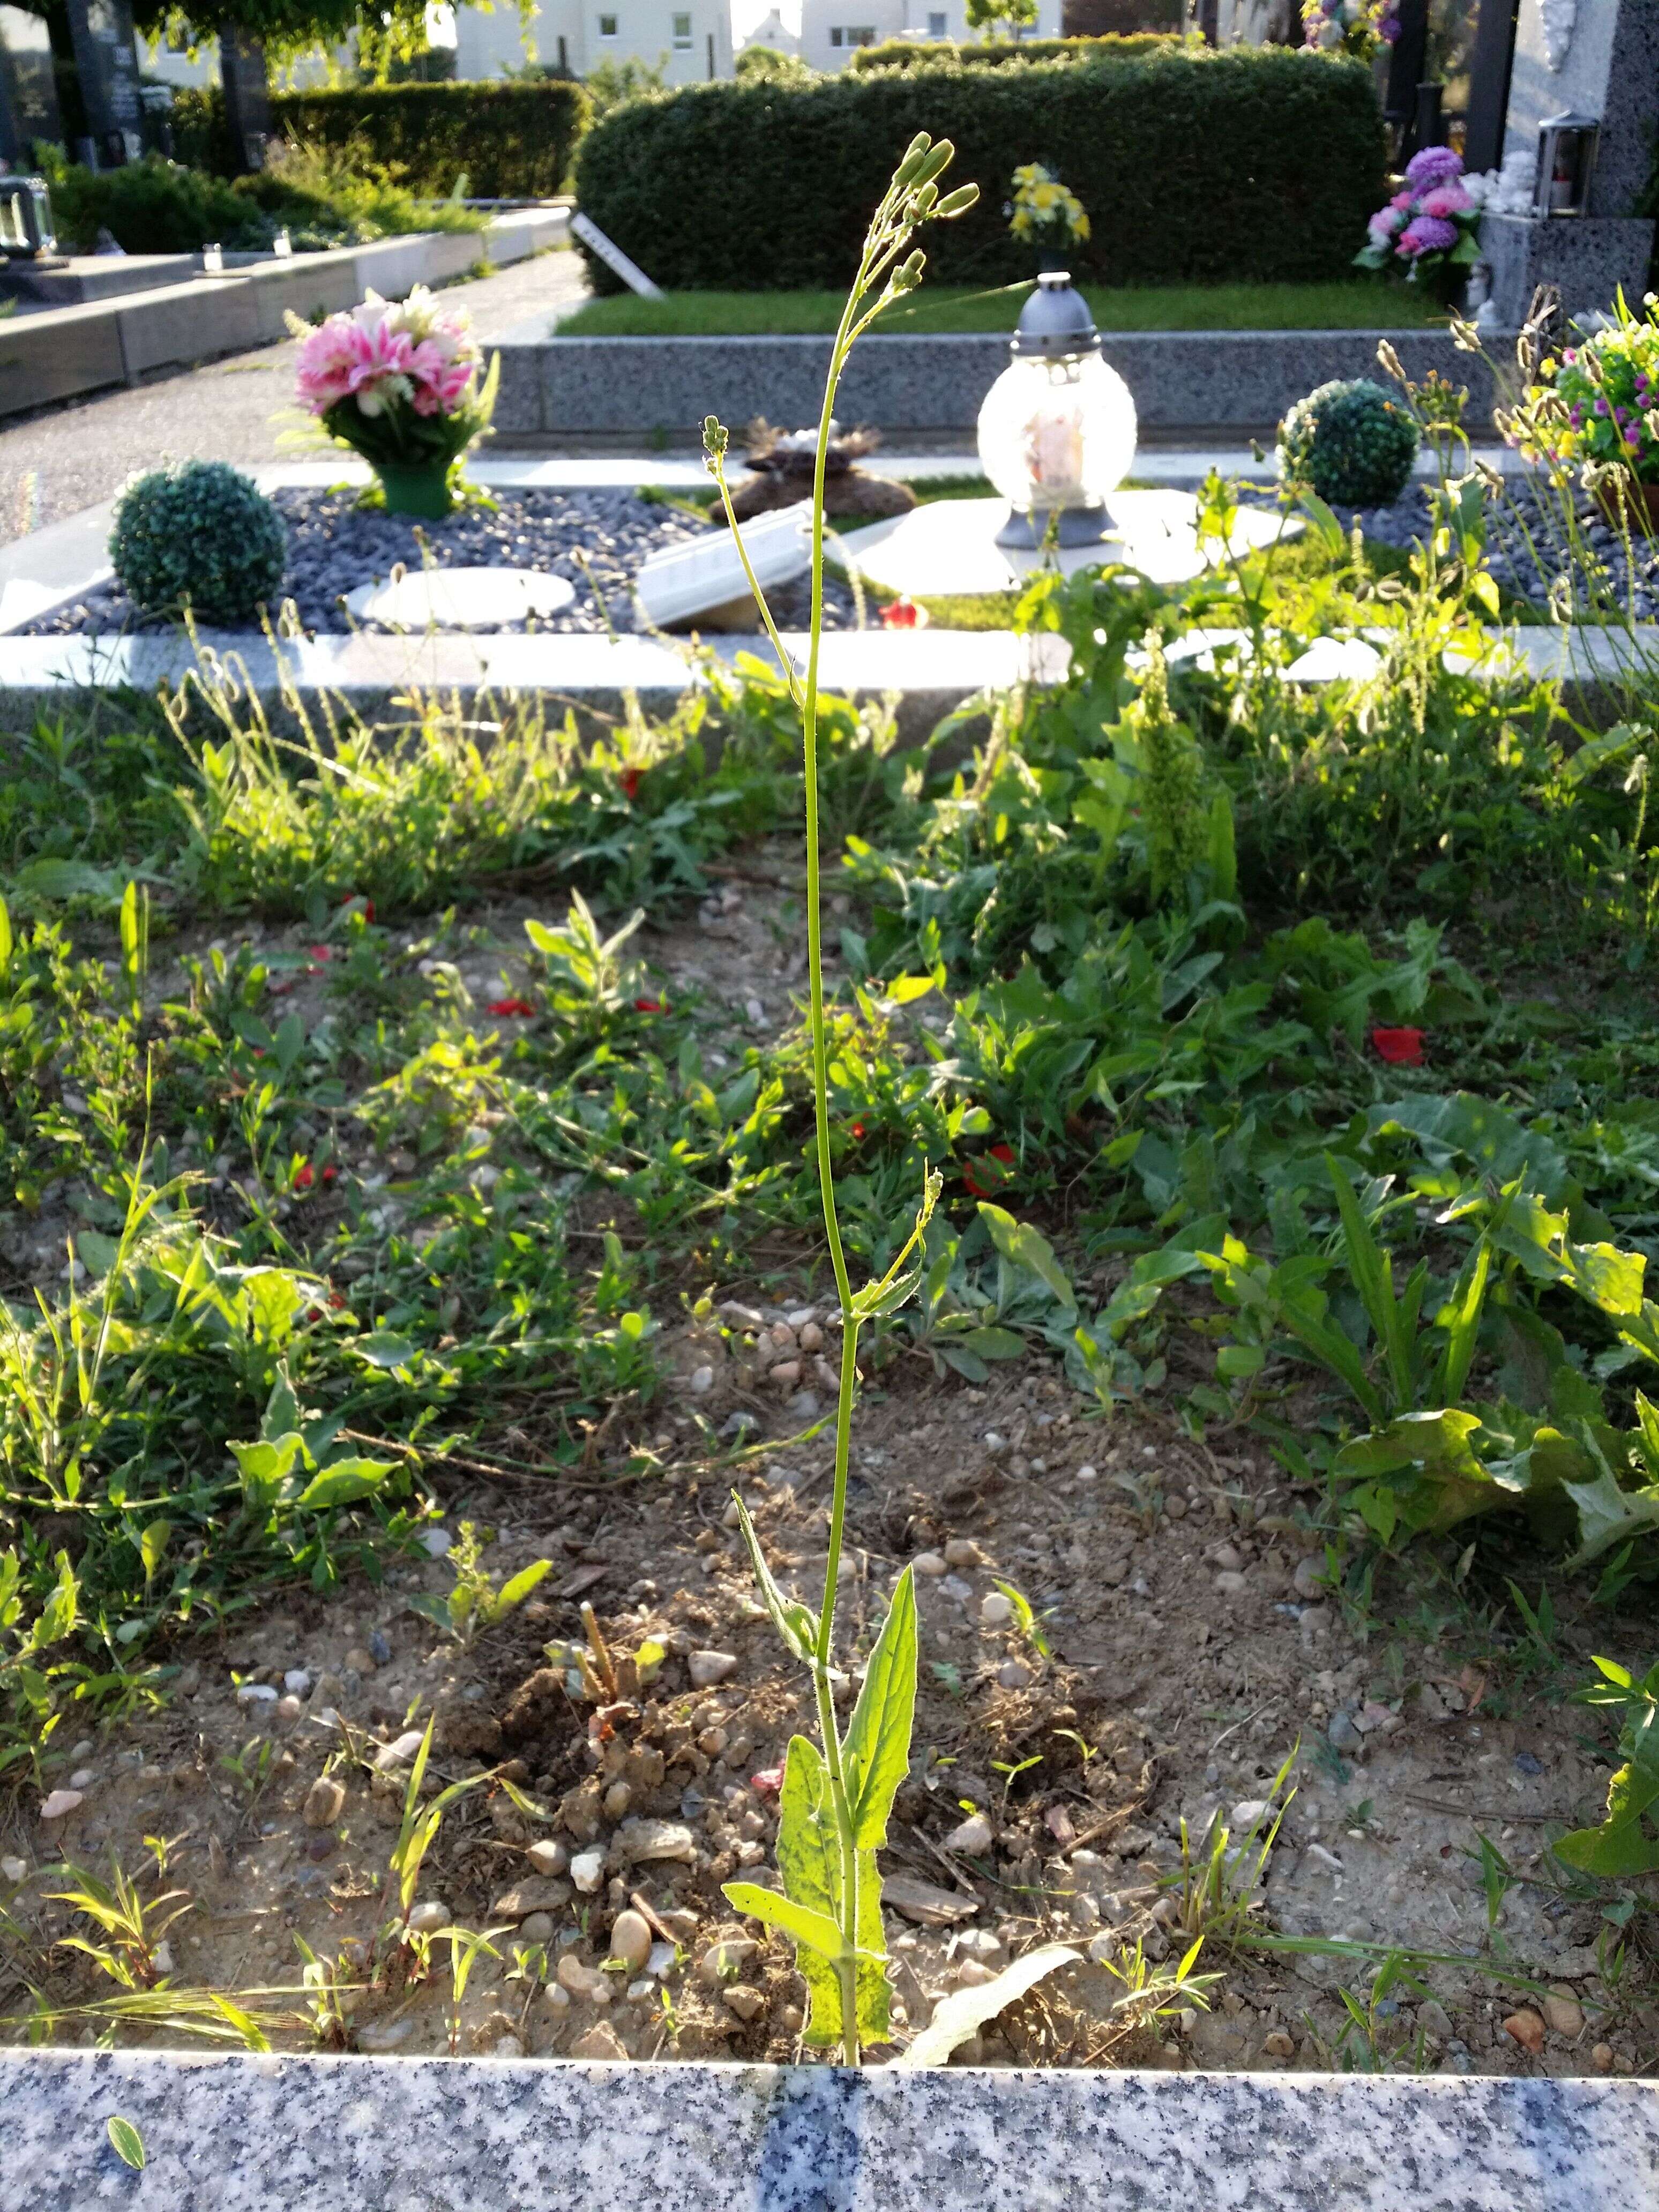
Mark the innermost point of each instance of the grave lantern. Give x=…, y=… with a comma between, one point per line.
x=1566, y=160
x=26, y=225
x=1057, y=431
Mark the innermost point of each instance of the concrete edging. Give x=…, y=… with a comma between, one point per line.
x=240, y=2134
x=1224, y=381
x=64, y=351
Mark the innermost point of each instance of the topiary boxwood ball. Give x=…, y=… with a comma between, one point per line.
x=199, y=535
x=1354, y=443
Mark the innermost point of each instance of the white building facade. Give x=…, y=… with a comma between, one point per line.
x=691, y=38
x=832, y=30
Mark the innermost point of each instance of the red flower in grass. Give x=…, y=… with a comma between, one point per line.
x=1003, y=1156
x=903, y=614
x=857, y=1131
x=768, y=1783
x=337, y=1300
x=520, y=1009
x=302, y=1176
x=351, y=898
x=629, y=780
x=1400, y=1047
x=650, y=1005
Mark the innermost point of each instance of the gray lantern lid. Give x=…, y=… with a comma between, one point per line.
x=1055, y=322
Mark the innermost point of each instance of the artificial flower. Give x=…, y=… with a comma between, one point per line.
x=1400, y=1047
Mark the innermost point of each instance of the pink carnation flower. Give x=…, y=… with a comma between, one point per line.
x=1383, y=225
x=1404, y=201
x=1446, y=200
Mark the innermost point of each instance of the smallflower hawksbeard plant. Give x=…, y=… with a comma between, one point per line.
x=835, y=1795
x=397, y=382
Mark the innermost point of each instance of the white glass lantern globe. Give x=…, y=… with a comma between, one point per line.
x=1057, y=431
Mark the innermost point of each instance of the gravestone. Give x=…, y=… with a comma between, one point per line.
x=107, y=64
x=28, y=90
x=1598, y=59
x=247, y=95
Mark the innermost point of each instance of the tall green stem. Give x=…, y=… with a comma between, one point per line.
x=912, y=198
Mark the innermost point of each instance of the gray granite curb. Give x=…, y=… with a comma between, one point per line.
x=245, y=2133
x=1214, y=381
x=377, y=676
x=64, y=351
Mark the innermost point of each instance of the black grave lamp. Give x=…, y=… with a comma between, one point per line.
x=1566, y=162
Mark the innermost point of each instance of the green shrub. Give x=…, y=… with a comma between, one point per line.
x=991, y=53
x=1245, y=165
x=511, y=141
x=153, y=206
x=1352, y=443
x=201, y=535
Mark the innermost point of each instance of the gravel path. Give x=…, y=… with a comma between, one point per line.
x=63, y=459
x=595, y=539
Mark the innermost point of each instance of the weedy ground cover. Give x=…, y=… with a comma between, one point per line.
x=423, y=1140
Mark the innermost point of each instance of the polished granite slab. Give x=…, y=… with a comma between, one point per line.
x=245, y=2134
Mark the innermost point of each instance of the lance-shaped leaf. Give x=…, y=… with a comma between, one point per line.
x=799, y=1922
x=809, y=1859
x=796, y=1623
x=876, y=1756
x=1028, y=1248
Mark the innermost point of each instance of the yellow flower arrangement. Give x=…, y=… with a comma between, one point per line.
x=1043, y=211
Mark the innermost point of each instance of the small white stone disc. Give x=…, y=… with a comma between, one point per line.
x=461, y=598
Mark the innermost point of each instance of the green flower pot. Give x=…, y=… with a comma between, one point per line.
x=421, y=491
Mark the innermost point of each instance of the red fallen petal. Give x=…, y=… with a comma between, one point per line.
x=337, y=1300
x=1401, y=1047
x=329, y=1174
x=502, y=1007
x=903, y=614
x=768, y=1783
x=302, y=1178
x=321, y=953
x=629, y=780
x=650, y=1006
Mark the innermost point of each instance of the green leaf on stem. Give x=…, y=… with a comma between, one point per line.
x=799, y=1922
x=876, y=1755
x=809, y=1859
x=795, y=1623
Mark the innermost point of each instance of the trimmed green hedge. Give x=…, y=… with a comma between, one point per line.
x=1249, y=166
x=509, y=140
x=906, y=54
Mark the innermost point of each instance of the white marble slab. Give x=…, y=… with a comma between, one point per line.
x=949, y=546
x=357, y=2135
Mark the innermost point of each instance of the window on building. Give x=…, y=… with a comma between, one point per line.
x=607, y=26
x=938, y=23
x=682, y=34
x=862, y=34
x=837, y=36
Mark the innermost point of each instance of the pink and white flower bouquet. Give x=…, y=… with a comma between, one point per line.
x=1432, y=224
x=397, y=382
